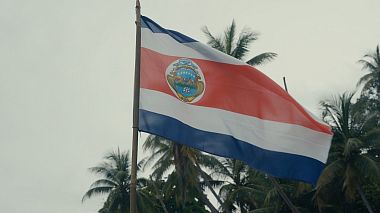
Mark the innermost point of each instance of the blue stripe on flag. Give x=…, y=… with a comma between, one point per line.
x=154, y=27
x=282, y=165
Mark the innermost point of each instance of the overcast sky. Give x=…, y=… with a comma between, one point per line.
x=66, y=73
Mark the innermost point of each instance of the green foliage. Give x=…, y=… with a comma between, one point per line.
x=243, y=188
x=371, y=80
x=237, y=45
x=349, y=165
x=184, y=179
x=115, y=182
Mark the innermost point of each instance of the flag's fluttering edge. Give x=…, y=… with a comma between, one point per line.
x=200, y=97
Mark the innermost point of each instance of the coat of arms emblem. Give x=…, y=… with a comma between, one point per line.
x=186, y=80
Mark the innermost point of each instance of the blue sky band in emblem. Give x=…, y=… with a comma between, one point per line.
x=186, y=80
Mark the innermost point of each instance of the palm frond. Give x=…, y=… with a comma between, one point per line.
x=373, y=136
x=97, y=191
x=225, y=189
x=367, y=65
x=105, y=169
x=229, y=37
x=329, y=115
x=119, y=159
x=371, y=63
x=208, y=161
x=145, y=202
x=245, y=39
x=271, y=197
x=262, y=58
x=103, y=182
x=366, y=79
x=350, y=182
x=352, y=147
x=141, y=163
x=264, y=210
x=154, y=143
x=223, y=168
x=337, y=111
x=368, y=168
x=333, y=170
x=160, y=148
x=160, y=153
x=162, y=166
x=214, y=42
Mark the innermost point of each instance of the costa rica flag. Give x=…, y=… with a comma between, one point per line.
x=195, y=95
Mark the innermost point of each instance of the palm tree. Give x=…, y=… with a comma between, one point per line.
x=244, y=187
x=349, y=164
x=371, y=63
x=237, y=47
x=115, y=182
x=370, y=95
x=186, y=176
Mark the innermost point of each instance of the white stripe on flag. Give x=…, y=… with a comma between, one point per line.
x=269, y=135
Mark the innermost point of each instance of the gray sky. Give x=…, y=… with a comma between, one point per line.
x=66, y=73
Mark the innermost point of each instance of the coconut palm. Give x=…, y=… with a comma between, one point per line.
x=299, y=193
x=370, y=95
x=244, y=188
x=371, y=63
x=349, y=163
x=181, y=161
x=237, y=45
x=115, y=182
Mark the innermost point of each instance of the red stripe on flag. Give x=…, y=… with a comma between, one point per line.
x=236, y=88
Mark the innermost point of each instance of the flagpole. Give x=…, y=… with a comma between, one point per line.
x=286, y=87
x=136, y=101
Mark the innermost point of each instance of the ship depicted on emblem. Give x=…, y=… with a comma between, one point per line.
x=186, y=80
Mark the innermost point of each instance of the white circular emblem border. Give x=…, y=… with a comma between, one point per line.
x=200, y=73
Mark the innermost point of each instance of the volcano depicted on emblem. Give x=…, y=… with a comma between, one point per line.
x=186, y=80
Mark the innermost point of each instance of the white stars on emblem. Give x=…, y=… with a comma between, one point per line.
x=186, y=90
x=188, y=73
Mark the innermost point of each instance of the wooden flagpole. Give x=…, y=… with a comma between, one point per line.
x=286, y=87
x=136, y=101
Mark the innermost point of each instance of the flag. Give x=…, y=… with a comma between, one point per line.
x=197, y=96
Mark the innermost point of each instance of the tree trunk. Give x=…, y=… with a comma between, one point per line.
x=179, y=171
x=365, y=201
x=206, y=200
x=159, y=195
x=212, y=189
x=242, y=210
x=283, y=195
